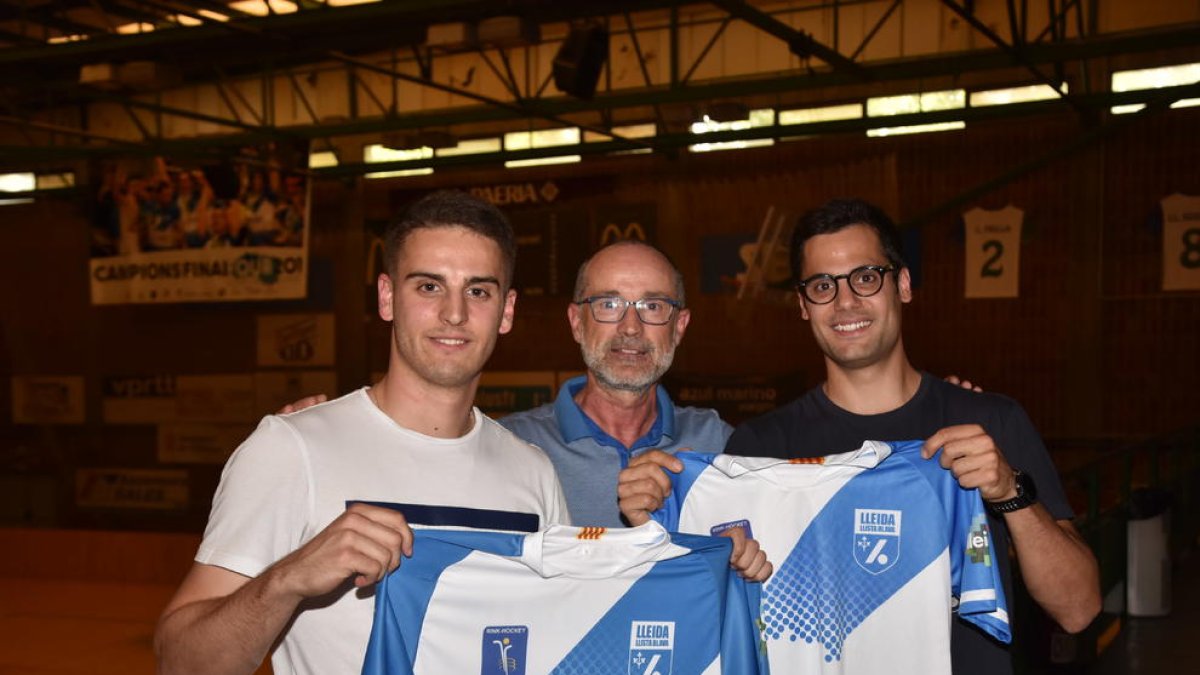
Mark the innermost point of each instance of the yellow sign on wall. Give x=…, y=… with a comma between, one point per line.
x=993, y=252
x=1181, y=243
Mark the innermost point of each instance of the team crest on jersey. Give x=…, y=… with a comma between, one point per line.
x=651, y=645
x=876, y=539
x=504, y=649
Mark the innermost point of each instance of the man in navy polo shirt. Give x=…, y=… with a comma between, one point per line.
x=628, y=316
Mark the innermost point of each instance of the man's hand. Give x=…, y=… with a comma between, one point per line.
x=748, y=559
x=222, y=622
x=365, y=543
x=306, y=402
x=972, y=456
x=643, y=485
x=965, y=384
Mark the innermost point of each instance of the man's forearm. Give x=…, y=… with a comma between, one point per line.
x=228, y=635
x=1057, y=567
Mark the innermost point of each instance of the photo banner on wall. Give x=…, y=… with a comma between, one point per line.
x=993, y=252
x=165, y=232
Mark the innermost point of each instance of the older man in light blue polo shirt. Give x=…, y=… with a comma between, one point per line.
x=628, y=316
x=588, y=458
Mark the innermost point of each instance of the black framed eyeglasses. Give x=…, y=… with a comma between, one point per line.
x=612, y=308
x=865, y=281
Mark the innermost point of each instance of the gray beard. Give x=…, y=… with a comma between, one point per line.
x=637, y=383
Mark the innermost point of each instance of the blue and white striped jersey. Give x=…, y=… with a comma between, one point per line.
x=874, y=551
x=567, y=600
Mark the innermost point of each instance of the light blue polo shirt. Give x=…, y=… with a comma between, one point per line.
x=588, y=460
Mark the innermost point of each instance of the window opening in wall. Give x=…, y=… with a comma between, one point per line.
x=1009, y=95
x=762, y=117
x=1155, y=78
x=376, y=153
x=906, y=104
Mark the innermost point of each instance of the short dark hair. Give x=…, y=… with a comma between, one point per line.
x=838, y=214
x=453, y=208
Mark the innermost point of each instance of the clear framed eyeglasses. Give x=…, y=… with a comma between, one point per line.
x=612, y=308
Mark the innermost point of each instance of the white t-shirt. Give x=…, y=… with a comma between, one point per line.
x=295, y=473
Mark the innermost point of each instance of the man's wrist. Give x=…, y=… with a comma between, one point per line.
x=1026, y=495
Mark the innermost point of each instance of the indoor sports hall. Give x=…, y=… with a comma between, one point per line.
x=198, y=207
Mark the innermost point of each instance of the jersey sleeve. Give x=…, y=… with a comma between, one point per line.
x=743, y=651
x=976, y=587
x=975, y=572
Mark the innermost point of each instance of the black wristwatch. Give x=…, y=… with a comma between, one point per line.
x=1026, y=495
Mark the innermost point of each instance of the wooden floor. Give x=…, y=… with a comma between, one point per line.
x=70, y=628
x=79, y=628
x=52, y=627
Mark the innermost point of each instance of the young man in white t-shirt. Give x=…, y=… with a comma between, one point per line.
x=286, y=565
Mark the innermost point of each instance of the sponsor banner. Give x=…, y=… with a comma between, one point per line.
x=521, y=195
x=199, y=276
x=47, y=399
x=501, y=393
x=151, y=489
x=296, y=340
x=171, y=233
x=993, y=252
x=215, y=398
x=274, y=389
x=138, y=399
x=199, y=443
x=736, y=399
x=1181, y=243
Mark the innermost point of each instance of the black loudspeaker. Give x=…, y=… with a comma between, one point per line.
x=578, y=62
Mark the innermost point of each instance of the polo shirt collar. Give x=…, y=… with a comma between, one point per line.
x=575, y=424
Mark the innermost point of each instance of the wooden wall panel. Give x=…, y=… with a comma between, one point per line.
x=1091, y=348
